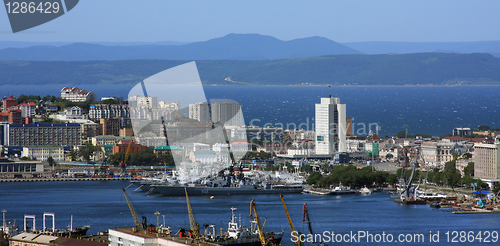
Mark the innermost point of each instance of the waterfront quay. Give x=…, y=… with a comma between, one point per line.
x=67, y=179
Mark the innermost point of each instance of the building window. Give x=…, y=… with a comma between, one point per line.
x=320, y=138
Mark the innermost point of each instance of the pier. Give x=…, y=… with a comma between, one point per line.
x=67, y=179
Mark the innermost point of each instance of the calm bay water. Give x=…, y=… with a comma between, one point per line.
x=429, y=110
x=102, y=205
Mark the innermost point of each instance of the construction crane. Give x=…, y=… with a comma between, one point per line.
x=305, y=215
x=195, y=227
x=253, y=208
x=289, y=220
x=126, y=154
x=138, y=224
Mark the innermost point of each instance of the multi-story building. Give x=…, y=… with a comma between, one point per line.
x=8, y=103
x=41, y=153
x=103, y=140
x=42, y=134
x=462, y=131
x=19, y=169
x=90, y=129
x=139, y=101
x=28, y=109
x=170, y=105
x=75, y=94
x=109, y=127
x=330, y=117
x=12, y=116
x=134, y=148
x=227, y=112
x=487, y=162
x=108, y=111
x=200, y=111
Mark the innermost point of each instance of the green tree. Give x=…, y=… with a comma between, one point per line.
x=73, y=154
x=392, y=179
x=389, y=156
x=51, y=161
x=469, y=170
x=483, y=128
x=314, y=178
x=86, y=151
x=467, y=155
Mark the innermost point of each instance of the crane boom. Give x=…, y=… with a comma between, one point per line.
x=138, y=224
x=305, y=215
x=195, y=227
x=289, y=220
x=253, y=208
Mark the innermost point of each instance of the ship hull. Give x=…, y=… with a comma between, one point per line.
x=212, y=191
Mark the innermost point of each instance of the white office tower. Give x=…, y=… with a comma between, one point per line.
x=199, y=111
x=331, y=128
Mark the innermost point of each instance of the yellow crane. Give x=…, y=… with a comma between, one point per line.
x=138, y=223
x=195, y=227
x=253, y=208
x=126, y=154
x=289, y=220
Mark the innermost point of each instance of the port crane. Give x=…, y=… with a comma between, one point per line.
x=253, y=209
x=406, y=184
x=138, y=224
x=305, y=217
x=126, y=154
x=289, y=220
x=195, y=227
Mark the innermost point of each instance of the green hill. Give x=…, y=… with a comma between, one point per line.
x=404, y=69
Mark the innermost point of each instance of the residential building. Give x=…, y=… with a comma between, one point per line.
x=8, y=103
x=170, y=105
x=330, y=125
x=43, y=134
x=75, y=94
x=118, y=99
x=200, y=111
x=109, y=127
x=90, y=129
x=12, y=116
x=103, y=140
x=28, y=109
x=126, y=132
x=108, y=111
x=227, y=112
x=487, y=162
x=41, y=153
x=462, y=131
x=139, y=101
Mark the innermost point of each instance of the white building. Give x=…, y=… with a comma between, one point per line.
x=487, y=162
x=75, y=94
x=27, y=109
x=199, y=111
x=41, y=153
x=331, y=128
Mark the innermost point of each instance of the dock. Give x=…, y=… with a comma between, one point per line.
x=66, y=179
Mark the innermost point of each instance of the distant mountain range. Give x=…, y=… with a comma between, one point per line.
x=395, y=69
x=491, y=47
x=229, y=47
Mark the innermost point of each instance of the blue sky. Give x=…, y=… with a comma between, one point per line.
x=199, y=20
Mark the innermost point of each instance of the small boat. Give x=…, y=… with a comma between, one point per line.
x=341, y=190
x=365, y=191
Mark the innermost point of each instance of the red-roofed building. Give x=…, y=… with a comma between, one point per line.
x=134, y=148
x=8, y=103
x=75, y=94
x=13, y=116
x=28, y=109
x=454, y=139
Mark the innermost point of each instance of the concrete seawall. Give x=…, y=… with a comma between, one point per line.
x=65, y=179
